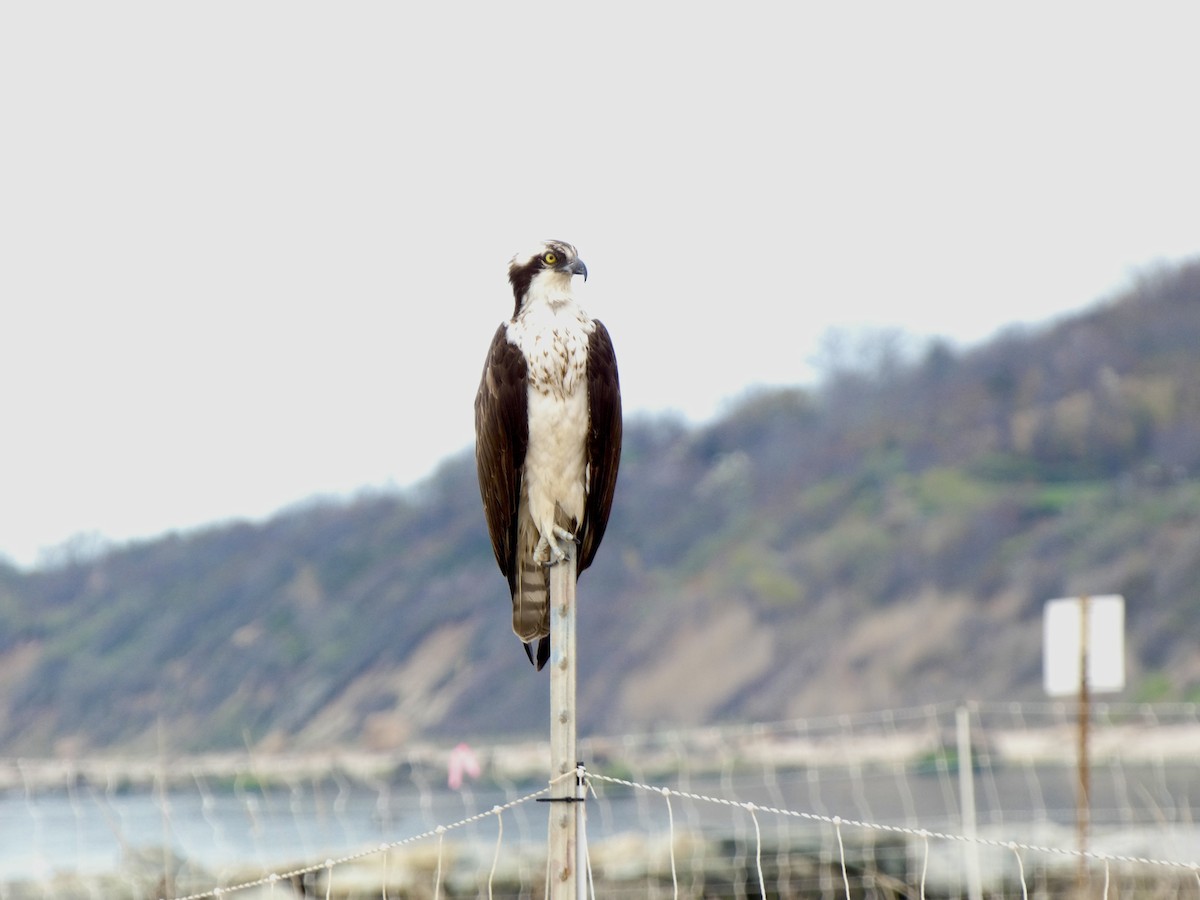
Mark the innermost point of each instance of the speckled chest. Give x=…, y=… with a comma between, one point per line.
x=554, y=343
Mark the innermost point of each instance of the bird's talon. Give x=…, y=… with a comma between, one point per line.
x=548, y=552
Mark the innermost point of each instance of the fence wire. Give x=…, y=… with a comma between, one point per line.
x=865, y=805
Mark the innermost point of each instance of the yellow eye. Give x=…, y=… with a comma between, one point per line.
x=549, y=258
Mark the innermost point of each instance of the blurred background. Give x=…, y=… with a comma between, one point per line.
x=906, y=303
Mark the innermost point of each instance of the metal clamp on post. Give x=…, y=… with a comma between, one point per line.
x=580, y=788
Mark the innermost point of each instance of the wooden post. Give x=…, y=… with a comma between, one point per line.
x=1083, y=802
x=564, y=817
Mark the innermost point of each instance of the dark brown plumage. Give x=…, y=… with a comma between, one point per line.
x=567, y=341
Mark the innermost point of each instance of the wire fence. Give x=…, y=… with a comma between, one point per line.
x=838, y=807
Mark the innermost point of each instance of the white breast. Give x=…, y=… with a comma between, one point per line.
x=554, y=340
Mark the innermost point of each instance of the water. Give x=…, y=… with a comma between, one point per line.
x=86, y=831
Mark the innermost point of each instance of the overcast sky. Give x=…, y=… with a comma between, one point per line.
x=254, y=251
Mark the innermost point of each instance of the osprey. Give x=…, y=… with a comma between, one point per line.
x=547, y=434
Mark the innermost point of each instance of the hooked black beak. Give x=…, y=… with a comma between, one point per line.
x=578, y=268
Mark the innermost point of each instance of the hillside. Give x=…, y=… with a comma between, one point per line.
x=887, y=539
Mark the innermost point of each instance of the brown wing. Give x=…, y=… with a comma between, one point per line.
x=604, y=441
x=501, y=437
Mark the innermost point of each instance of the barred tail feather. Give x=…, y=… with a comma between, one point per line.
x=531, y=592
x=531, y=599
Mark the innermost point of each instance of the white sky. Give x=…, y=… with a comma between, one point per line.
x=254, y=251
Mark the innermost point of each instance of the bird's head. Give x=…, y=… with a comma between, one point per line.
x=545, y=270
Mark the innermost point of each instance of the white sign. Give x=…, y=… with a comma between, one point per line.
x=1061, y=640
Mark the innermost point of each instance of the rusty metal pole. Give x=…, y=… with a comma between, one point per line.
x=1083, y=801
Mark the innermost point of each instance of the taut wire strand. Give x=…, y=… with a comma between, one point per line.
x=362, y=854
x=915, y=832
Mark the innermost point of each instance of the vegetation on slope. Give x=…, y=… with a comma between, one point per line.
x=886, y=539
